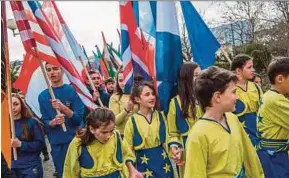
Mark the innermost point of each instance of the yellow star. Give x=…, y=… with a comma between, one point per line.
x=243, y=124
x=144, y=159
x=164, y=154
x=148, y=173
x=167, y=168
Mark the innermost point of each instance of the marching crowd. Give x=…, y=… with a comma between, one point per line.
x=219, y=125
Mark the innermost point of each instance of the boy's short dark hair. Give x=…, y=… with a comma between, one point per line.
x=109, y=80
x=239, y=61
x=211, y=80
x=278, y=66
x=93, y=72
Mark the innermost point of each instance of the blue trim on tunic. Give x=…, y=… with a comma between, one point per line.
x=181, y=123
x=137, y=139
x=119, y=151
x=85, y=159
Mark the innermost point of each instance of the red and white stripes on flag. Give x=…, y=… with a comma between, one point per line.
x=48, y=43
x=30, y=33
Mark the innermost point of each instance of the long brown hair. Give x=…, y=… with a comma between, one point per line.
x=186, y=89
x=95, y=119
x=118, y=89
x=27, y=134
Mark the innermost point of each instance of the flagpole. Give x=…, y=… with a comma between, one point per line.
x=90, y=81
x=9, y=94
x=8, y=78
x=226, y=55
x=48, y=84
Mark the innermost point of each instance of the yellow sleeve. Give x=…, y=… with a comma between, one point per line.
x=127, y=152
x=119, y=115
x=196, y=157
x=279, y=110
x=71, y=164
x=128, y=136
x=252, y=163
x=173, y=134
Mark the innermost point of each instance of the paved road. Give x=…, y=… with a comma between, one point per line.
x=48, y=167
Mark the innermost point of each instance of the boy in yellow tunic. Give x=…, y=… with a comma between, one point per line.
x=217, y=145
x=249, y=95
x=183, y=113
x=98, y=151
x=120, y=104
x=273, y=121
x=146, y=134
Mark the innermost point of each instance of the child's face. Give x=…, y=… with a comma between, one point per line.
x=147, y=98
x=120, y=80
x=104, y=132
x=197, y=71
x=227, y=100
x=283, y=83
x=54, y=73
x=95, y=77
x=16, y=106
x=248, y=70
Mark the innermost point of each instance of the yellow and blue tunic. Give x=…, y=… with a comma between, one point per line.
x=146, y=139
x=247, y=107
x=214, y=151
x=97, y=160
x=178, y=126
x=273, y=130
x=117, y=105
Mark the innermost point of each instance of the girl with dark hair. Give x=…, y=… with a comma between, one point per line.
x=120, y=104
x=217, y=144
x=29, y=141
x=98, y=150
x=146, y=133
x=183, y=113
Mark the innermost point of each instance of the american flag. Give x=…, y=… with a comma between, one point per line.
x=37, y=30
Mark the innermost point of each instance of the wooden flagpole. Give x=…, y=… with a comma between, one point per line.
x=226, y=55
x=90, y=81
x=48, y=84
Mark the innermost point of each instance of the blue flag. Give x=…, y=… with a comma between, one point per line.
x=203, y=43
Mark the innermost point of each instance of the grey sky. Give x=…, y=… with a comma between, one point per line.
x=86, y=20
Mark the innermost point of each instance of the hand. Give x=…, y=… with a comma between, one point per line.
x=57, y=104
x=15, y=143
x=135, y=174
x=58, y=120
x=130, y=105
x=176, y=154
x=95, y=95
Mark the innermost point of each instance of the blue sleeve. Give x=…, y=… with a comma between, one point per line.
x=38, y=143
x=77, y=107
x=105, y=98
x=45, y=117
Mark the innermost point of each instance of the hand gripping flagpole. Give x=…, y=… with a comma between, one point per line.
x=48, y=84
x=90, y=81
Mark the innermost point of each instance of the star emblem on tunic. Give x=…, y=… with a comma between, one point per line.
x=164, y=154
x=144, y=159
x=260, y=119
x=148, y=173
x=243, y=124
x=167, y=168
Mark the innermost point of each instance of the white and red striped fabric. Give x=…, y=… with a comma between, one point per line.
x=30, y=33
x=49, y=43
x=137, y=56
